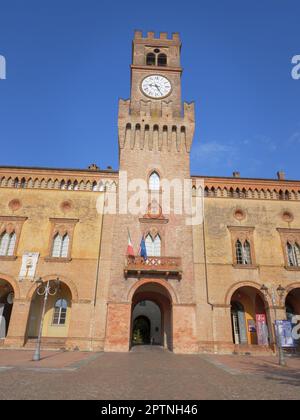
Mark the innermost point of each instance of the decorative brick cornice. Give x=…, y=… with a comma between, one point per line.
x=241, y=228
x=58, y=179
x=247, y=188
x=287, y=231
x=13, y=219
x=63, y=220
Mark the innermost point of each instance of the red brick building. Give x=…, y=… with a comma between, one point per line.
x=213, y=283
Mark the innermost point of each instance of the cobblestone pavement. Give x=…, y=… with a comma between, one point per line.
x=147, y=374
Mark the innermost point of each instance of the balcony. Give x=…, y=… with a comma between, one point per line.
x=166, y=266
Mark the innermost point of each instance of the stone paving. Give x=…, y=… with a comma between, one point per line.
x=145, y=374
x=49, y=359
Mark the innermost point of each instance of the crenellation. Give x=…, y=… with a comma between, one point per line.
x=163, y=35
x=151, y=35
x=138, y=34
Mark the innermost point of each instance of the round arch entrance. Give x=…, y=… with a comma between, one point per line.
x=249, y=317
x=57, y=314
x=292, y=307
x=6, y=306
x=151, y=316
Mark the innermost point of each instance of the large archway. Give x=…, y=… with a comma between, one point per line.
x=57, y=314
x=292, y=307
x=249, y=317
x=151, y=316
x=6, y=306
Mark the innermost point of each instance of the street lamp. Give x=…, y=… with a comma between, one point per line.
x=280, y=291
x=44, y=290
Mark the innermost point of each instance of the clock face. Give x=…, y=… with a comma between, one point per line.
x=156, y=86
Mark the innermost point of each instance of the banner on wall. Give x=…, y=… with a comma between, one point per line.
x=262, y=330
x=284, y=331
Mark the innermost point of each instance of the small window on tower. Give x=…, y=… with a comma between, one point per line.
x=162, y=60
x=154, y=182
x=151, y=59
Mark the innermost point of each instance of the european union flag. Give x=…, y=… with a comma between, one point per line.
x=143, y=249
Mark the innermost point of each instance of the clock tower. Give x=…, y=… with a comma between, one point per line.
x=155, y=137
x=154, y=118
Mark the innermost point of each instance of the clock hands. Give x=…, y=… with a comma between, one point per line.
x=156, y=86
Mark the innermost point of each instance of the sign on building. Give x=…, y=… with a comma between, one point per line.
x=285, y=333
x=29, y=264
x=262, y=330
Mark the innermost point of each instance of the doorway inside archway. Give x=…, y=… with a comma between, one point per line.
x=6, y=306
x=151, y=318
x=292, y=307
x=141, y=334
x=249, y=317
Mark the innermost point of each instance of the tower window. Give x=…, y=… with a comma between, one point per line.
x=151, y=59
x=154, y=182
x=162, y=60
x=153, y=246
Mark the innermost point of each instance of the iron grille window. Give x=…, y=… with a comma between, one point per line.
x=243, y=253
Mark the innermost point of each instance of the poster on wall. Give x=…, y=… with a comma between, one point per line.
x=262, y=330
x=284, y=331
x=251, y=326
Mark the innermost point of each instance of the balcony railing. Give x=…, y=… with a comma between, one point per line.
x=169, y=266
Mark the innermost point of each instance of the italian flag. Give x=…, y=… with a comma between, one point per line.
x=130, y=250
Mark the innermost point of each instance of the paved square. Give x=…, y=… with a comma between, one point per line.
x=145, y=374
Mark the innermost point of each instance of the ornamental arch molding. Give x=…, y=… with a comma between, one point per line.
x=13, y=284
x=237, y=286
x=67, y=282
x=162, y=283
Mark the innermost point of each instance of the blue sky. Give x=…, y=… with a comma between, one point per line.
x=68, y=63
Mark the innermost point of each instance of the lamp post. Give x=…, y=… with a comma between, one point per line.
x=44, y=290
x=280, y=292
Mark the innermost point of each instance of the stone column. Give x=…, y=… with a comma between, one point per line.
x=17, y=330
x=222, y=328
x=118, y=327
x=184, y=329
x=80, y=326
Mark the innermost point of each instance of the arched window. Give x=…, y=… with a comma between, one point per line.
x=154, y=182
x=162, y=60
x=150, y=60
x=153, y=246
x=247, y=253
x=60, y=247
x=7, y=244
x=95, y=186
x=243, y=253
x=23, y=183
x=293, y=252
x=60, y=312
